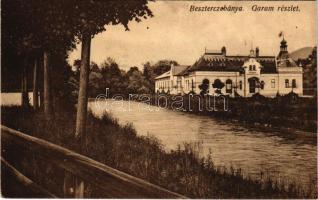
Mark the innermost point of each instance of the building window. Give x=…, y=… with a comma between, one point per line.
x=241, y=85
x=286, y=83
x=294, y=83
x=178, y=82
x=262, y=85
x=252, y=83
x=228, y=86
x=273, y=83
x=252, y=68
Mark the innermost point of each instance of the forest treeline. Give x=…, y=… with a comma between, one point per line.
x=110, y=75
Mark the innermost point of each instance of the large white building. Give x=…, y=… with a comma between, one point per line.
x=242, y=75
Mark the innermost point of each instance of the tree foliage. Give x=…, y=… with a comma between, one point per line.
x=92, y=16
x=109, y=75
x=218, y=84
x=204, y=87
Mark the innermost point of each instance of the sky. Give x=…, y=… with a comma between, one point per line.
x=176, y=33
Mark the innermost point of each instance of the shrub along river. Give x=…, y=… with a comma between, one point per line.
x=259, y=152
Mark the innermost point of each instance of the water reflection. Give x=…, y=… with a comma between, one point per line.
x=282, y=155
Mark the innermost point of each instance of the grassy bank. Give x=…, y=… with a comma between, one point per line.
x=119, y=147
x=280, y=112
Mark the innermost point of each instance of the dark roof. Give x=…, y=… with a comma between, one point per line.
x=287, y=62
x=177, y=70
x=233, y=63
x=184, y=71
x=269, y=65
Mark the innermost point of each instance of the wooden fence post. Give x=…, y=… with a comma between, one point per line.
x=79, y=188
x=35, y=85
x=73, y=187
x=68, y=185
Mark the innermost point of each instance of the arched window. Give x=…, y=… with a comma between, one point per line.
x=240, y=85
x=286, y=83
x=273, y=83
x=294, y=83
x=253, y=84
x=228, y=86
x=262, y=84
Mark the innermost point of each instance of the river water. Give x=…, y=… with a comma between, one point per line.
x=288, y=157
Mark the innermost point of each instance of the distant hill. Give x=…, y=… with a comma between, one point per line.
x=301, y=53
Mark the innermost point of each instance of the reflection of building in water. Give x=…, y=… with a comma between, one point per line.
x=197, y=145
x=235, y=74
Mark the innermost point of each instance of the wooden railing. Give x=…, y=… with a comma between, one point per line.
x=113, y=183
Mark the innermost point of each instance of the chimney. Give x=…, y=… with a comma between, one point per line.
x=223, y=50
x=257, y=52
x=172, y=68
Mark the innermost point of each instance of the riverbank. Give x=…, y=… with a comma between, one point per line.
x=287, y=112
x=119, y=147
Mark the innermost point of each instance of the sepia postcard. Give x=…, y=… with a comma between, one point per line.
x=159, y=99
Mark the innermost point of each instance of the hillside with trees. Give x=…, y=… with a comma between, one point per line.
x=307, y=59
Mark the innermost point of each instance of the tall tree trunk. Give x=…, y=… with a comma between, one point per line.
x=80, y=133
x=41, y=82
x=83, y=85
x=35, y=85
x=47, y=86
x=24, y=87
x=41, y=99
